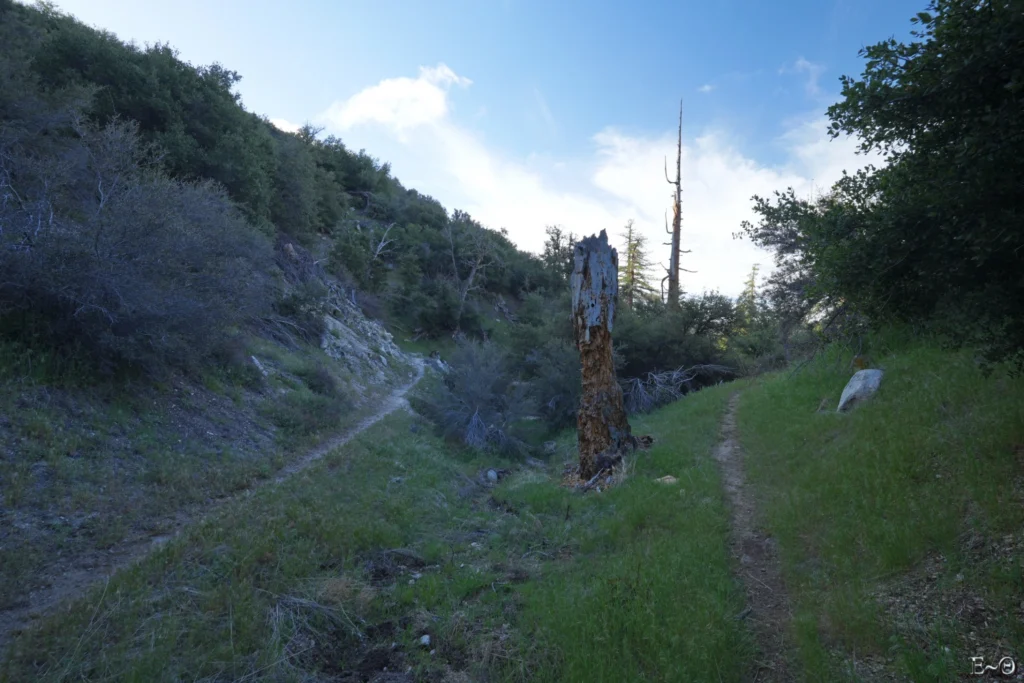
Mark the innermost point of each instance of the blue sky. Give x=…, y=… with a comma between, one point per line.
x=527, y=113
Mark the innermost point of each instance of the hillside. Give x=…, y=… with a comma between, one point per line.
x=339, y=573
x=97, y=471
x=266, y=414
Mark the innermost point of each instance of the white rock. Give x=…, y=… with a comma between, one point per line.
x=860, y=387
x=425, y=640
x=492, y=475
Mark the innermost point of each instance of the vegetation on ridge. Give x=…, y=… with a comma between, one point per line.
x=174, y=270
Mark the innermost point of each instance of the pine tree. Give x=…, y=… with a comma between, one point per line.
x=558, y=252
x=746, y=304
x=635, y=267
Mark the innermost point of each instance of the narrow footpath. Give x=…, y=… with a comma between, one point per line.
x=77, y=575
x=756, y=562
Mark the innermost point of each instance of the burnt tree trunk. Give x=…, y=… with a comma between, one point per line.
x=602, y=427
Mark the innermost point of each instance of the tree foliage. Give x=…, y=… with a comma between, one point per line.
x=99, y=249
x=936, y=235
x=558, y=251
x=144, y=213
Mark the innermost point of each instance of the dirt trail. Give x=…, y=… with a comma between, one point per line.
x=72, y=577
x=756, y=562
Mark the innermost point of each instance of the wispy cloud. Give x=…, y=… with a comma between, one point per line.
x=545, y=111
x=409, y=122
x=706, y=88
x=812, y=71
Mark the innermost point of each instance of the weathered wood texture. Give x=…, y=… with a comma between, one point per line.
x=602, y=426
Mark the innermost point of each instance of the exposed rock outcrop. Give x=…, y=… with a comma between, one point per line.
x=362, y=344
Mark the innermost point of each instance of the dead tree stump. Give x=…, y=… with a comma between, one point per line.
x=602, y=426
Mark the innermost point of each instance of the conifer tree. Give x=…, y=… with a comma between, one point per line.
x=634, y=270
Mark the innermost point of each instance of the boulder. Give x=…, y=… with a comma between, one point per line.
x=861, y=386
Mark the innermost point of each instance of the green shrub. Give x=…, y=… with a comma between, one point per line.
x=305, y=306
x=147, y=270
x=555, y=383
x=234, y=361
x=304, y=415
x=480, y=398
x=319, y=379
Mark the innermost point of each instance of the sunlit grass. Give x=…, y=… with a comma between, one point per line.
x=860, y=501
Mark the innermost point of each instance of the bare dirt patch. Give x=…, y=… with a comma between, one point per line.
x=944, y=614
x=756, y=561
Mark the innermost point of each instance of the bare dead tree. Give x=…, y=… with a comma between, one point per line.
x=477, y=255
x=602, y=425
x=677, y=221
x=384, y=243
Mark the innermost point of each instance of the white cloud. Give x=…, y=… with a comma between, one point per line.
x=813, y=72
x=285, y=125
x=401, y=103
x=408, y=122
x=706, y=88
x=820, y=159
x=718, y=183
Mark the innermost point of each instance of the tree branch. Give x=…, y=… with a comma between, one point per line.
x=384, y=242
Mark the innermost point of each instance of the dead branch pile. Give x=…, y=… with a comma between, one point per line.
x=644, y=394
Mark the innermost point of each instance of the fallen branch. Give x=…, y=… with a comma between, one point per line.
x=643, y=395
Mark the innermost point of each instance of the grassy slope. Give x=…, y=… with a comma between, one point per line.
x=525, y=581
x=899, y=523
x=899, y=528
x=87, y=463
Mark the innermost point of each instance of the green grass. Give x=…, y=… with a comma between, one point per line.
x=528, y=581
x=899, y=527
x=303, y=416
x=88, y=462
x=82, y=474
x=647, y=593
x=425, y=347
x=37, y=364
x=884, y=502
